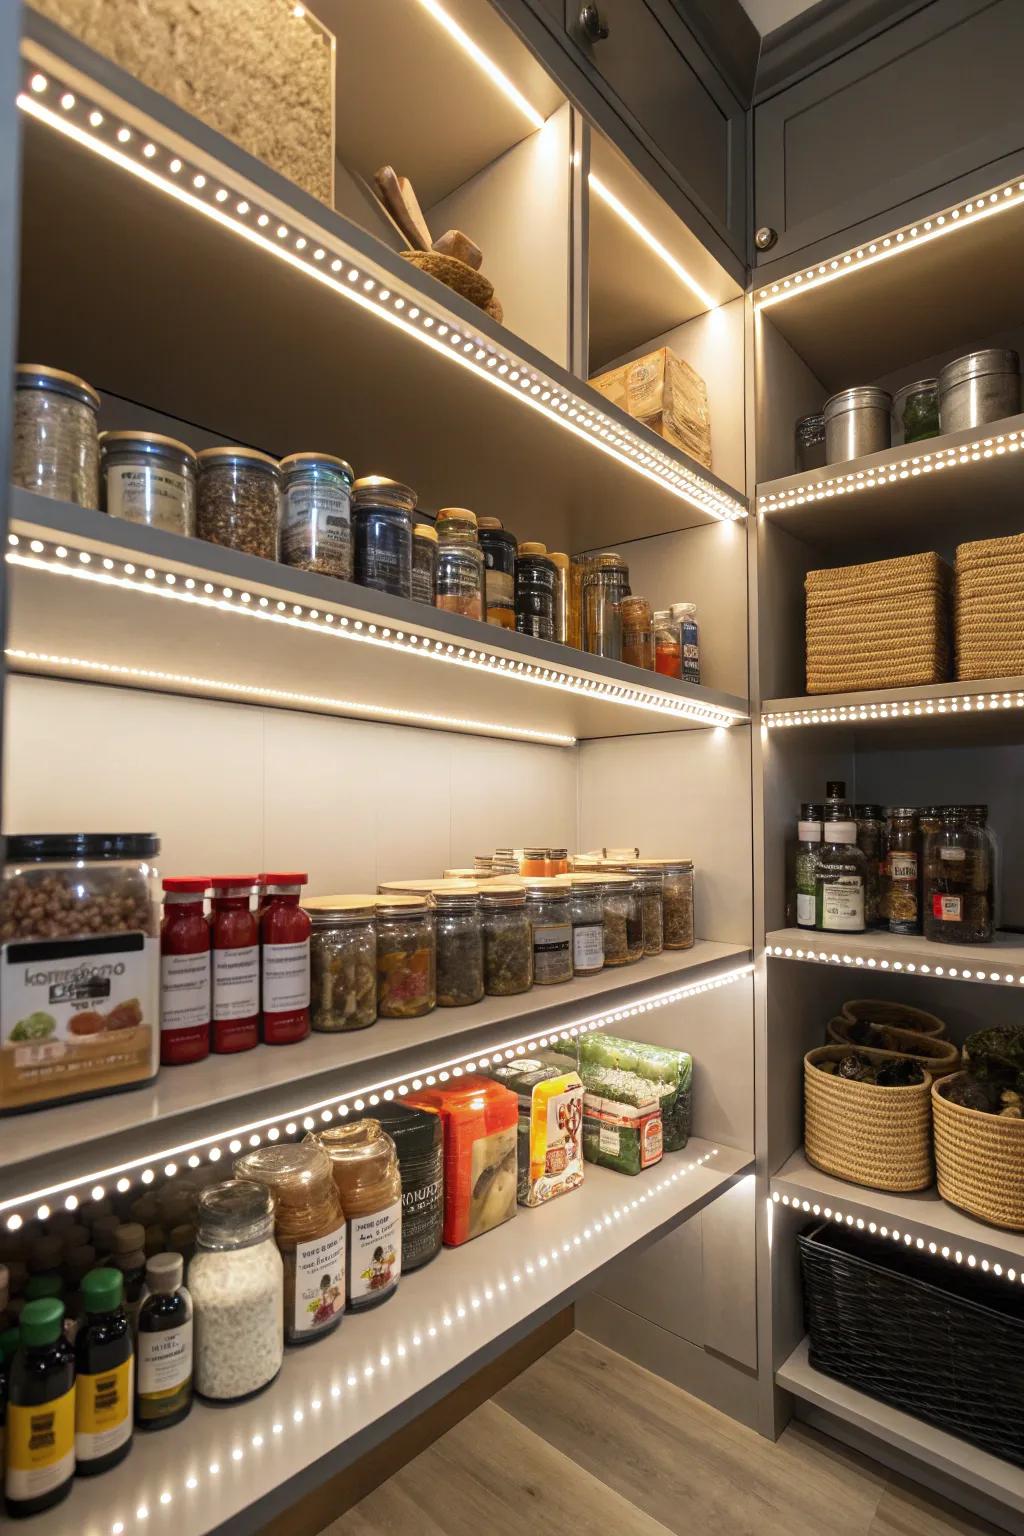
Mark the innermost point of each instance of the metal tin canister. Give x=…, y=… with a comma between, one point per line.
x=978, y=388
x=857, y=421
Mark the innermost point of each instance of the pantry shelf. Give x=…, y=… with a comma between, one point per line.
x=1000, y=963
x=236, y=1468
x=103, y=600
x=991, y=708
x=189, y=1110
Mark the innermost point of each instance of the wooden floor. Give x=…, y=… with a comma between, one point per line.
x=583, y=1440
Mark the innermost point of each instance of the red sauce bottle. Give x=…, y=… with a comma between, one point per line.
x=284, y=933
x=185, y=1001
x=236, y=964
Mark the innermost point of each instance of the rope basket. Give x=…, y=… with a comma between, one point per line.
x=989, y=608
x=979, y=1160
x=880, y=625
x=877, y=1137
x=939, y=1057
x=878, y=1010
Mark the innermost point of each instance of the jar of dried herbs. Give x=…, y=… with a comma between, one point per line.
x=460, y=948
x=651, y=878
x=587, y=907
x=316, y=514
x=406, y=957
x=870, y=835
x=343, y=962
x=238, y=500
x=508, y=940
x=148, y=478
x=623, y=920
x=547, y=903
x=55, y=451
x=677, y=903
x=957, y=883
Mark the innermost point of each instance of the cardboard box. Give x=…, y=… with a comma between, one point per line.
x=666, y=395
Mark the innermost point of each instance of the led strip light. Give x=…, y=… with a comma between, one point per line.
x=309, y=249
x=897, y=709
x=976, y=971
x=911, y=237
x=70, y=1193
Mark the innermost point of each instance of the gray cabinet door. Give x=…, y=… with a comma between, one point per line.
x=934, y=98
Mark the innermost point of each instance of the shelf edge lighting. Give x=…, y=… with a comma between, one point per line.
x=880, y=963
x=205, y=187
x=937, y=704
x=652, y=242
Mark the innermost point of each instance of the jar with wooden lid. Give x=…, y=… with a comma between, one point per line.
x=677, y=902
x=309, y=1229
x=499, y=550
x=238, y=500
x=382, y=527
x=424, y=563
x=343, y=962
x=366, y=1175
x=547, y=904
x=148, y=478
x=623, y=918
x=406, y=957
x=316, y=514
x=508, y=939
x=460, y=946
x=651, y=878
x=587, y=909
x=536, y=582
x=460, y=564
x=55, y=449
x=638, y=633
x=561, y=564
x=605, y=584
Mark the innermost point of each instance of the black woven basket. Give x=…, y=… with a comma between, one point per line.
x=943, y=1343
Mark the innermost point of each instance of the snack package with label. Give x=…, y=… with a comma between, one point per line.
x=621, y=1119
x=480, y=1119
x=550, y=1157
x=670, y=1073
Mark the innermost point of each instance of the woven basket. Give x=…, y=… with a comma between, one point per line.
x=979, y=1161
x=878, y=1137
x=880, y=1011
x=988, y=610
x=881, y=625
x=939, y=1057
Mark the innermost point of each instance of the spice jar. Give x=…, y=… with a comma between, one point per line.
x=460, y=564
x=424, y=563
x=406, y=957
x=901, y=886
x=236, y=1281
x=561, y=565
x=316, y=514
x=651, y=878
x=915, y=412
x=586, y=903
x=623, y=919
x=499, y=549
x=508, y=940
x=309, y=1229
x=809, y=434
x=238, y=500
x=365, y=1169
x=382, y=523
x=547, y=904
x=870, y=841
x=637, y=633
x=480, y=1120
x=419, y=1146
x=957, y=880
x=668, y=654
x=605, y=584
x=55, y=450
x=147, y=478
x=536, y=584
x=185, y=999
x=284, y=946
x=460, y=947
x=343, y=962
x=235, y=936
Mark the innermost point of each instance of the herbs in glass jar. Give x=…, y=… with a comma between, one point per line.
x=238, y=500
x=508, y=940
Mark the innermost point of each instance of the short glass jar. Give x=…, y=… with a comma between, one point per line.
x=460, y=564
x=238, y=500
x=638, y=632
x=499, y=548
x=365, y=1169
x=382, y=526
x=605, y=584
x=236, y=1281
x=343, y=962
x=406, y=957
x=668, y=649
x=149, y=479
x=548, y=907
x=677, y=902
x=55, y=450
x=623, y=919
x=316, y=514
x=424, y=563
x=460, y=948
x=651, y=877
x=587, y=909
x=957, y=906
x=508, y=940
x=915, y=412
x=536, y=592
x=810, y=442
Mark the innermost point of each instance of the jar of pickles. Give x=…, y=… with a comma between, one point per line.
x=55, y=451
x=623, y=919
x=460, y=948
x=547, y=903
x=508, y=940
x=382, y=534
x=316, y=514
x=148, y=478
x=238, y=498
x=460, y=564
x=406, y=957
x=651, y=877
x=638, y=632
x=343, y=962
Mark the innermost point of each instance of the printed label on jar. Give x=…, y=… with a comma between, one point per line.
x=651, y=1140
x=552, y=951
x=236, y=983
x=165, y=1361
x=587, y=946
x=608, y=1140
x=804, y=910
x=149, y=494
x=319, y=1281
x=285, y=977
x=953, y=855
x=422, y=1214
x=40, y=1447
x=459, y=574
x=316, y=525
x=842, y=904
x=373, y=1247
x=184, y=990
x=947, y=909
x=103, y=1411
x=903, y=866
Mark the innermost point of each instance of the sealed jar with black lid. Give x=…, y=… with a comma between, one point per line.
x=316, y=514
x=148, y=478
x=55, y=450
x=957, y=906
x=238, y=500
x=382, y=520
x=417, y=1135
x=500, y=548
x=536, y=592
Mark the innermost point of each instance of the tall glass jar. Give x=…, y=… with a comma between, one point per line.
x=365, y=1168
x=870, y=841
x=508, y=940
x=587, y=909
x=977, y=815
x=238, y=500
x=148, y=478
x=499, y=548
x=901, y=886
x=547, y=903
x=460, y=948
x=637, y=632
x=382, y=532
x=652, y=900
x=561, y=565
x=536, y=587
x=668, y=653
x=424, y=563
x=957, y=879
x=841, y=879
x=406, y=957
x=605, y=585
x=316, y=514
x=343, y=962
x=55, y=450
x=460, y=564
x=578, y=569
x=236, y=1281
x=623, y=919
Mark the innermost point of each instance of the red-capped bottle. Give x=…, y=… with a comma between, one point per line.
x=185, y=998
x=235, y=932
x=284, y=935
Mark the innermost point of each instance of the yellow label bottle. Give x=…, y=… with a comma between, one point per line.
x=40, y=1459
x=103, y=1387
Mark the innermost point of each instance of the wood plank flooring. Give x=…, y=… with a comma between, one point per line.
x=586, y=1440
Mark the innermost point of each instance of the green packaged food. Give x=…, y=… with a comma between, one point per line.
x=671, y=1070
x=622, y=1124
x=549, y=1151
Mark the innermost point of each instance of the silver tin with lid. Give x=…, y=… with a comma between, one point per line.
x=978, y=388
x=857, y=421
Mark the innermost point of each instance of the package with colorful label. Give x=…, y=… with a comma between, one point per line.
x=621, y=1119
x=480, y=1120
x=668, y=1071
x=550, y=1154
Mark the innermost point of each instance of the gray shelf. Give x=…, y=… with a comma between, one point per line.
x=998, y=964
x=989, y=709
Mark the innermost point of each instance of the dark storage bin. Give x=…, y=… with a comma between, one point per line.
x=937, y=1340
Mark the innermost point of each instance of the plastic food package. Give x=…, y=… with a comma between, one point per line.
x=480, y=1120
x=550, y=1155
x=669, y=1071
x=621, y=1119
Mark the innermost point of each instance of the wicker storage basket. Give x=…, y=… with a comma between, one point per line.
x=880, y=1011
x=979, y=1161
x=883, y=625
x=988, y=616
x=878, y=1137
x=939, y=1057
x=942, y=1342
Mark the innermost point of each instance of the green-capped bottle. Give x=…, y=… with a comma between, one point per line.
x=40, y=1452
x=104, y=1359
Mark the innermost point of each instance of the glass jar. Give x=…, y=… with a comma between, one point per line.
x=309, y=1229
x=382, y=526
x=55, y=449
x=977, y=815
x=460, y=948
x=80, y=903
x=235, y=938
x=236, y=1281
x=365, y=1168
x=184, y=972
x=578, y=568
x=343, y=962
x=238, y=500
x=284, y=950
x=149, y=479
x=316, y=514
x=637, y=633
x=901, y=885
x=424, y=563
x=668, y=653
x=535, y=862
x=915, y=412
x=810, y=442
x=536, y=584
x=508, y=940
x=870, y=841
x=586, y=904
x=623, y=919
x=957, y=904
x=685, y=615
x=547, y=904
x=652, y=898
x=840, y=885
x=605, y=584
x=499, y=549
x=460, y=564
x=419, y=1143
x=406, y=957
x=561, y=565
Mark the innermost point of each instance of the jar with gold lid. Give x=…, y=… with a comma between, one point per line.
x=366, y=1175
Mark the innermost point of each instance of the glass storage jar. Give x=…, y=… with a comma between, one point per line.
x=623, y=919
x=915, y=412
x=638, y=633
x=901, y=883
x=343, y=962
x=977, y=815
x=460, y=564
x=508, y=940
x=55, y=450
x=460, y=948
x=238, y=500
x=652, y=898
x=561, y=565
x=406, y=957
x=605, y=584
x=536, y=583
x=365, y=1168
x=668, y=651
x=586, y=903
x=870, y=840
x=424, y=563
x=810, y=442
x=957, y=906
x=382, y=528
x=499, y=548
x=547, y=904
x=316, y=514
x=149, y=479
x=236, y=1281
x=578, y=568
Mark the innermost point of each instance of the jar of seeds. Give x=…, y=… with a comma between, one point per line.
x=55, y=451
x=677, y=902
x=316, y=517
x=238, y=500
x=623, y=920
x=651, y=878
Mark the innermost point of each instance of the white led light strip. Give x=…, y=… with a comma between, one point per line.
x=311, y=250
x=174, y=1159
x=897, y=709
x=911, y=237
x=959, y=972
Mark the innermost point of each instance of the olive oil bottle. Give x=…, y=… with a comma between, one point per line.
x=40, y=1455
x=104, y=1359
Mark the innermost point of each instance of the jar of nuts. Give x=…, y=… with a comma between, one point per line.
x=238, y=500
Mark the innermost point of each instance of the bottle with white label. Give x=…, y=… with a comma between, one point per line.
x=185, y=999
x=284, y=940
x=840, y=882
x=235, y=934
x=365, y=1167
x=805, y=864
x=163, y=1388
x=104, y=1369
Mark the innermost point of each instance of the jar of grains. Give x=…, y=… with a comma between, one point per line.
x=424, y=563
x=587, y=907
x=508, y=940
x=238, y=500
x=638, y=633
x=623, y=919
x=343, y=962
x=677, y=901
x=460, y=564
x=406, y=957
x=500, y=548
x=605, y=584
x=460, y=948
x=149, y=479
x=652, y=896
x=55, y=449
x=535, y=588
x=365, y=1168
x=236, y=1281
x=316, y=514
x=547, y=903
x=382, y=525
x=309, y=1229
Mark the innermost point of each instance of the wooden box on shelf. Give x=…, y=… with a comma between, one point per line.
x=988, y=618
x=881, y=625
x=666, y=395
